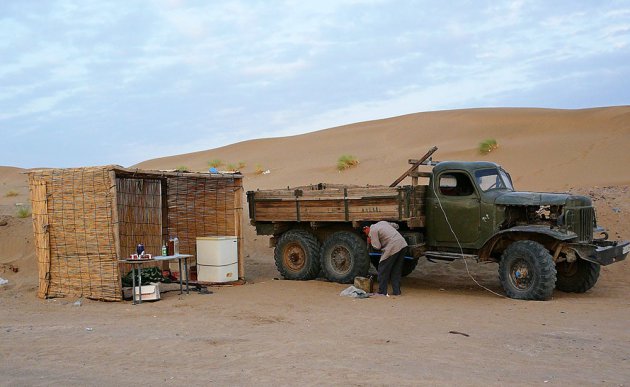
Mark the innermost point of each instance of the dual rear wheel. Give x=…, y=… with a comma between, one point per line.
x=342, y=257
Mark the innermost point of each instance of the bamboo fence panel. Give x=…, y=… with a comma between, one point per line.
x=200, y=207
x=83, y=259
x=139, y=204
x=40, y=229
x=238, y=227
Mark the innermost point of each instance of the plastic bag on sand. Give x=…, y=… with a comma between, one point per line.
x=351, y=291
x=3, y=281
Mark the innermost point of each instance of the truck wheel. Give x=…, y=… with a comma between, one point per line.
x=344, y=256
x=409, y=265
x=577, y=276
x=297, y=255
x=527, y=271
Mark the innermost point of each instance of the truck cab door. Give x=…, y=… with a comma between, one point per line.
x=457, y=199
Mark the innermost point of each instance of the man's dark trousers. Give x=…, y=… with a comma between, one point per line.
x=391, y=268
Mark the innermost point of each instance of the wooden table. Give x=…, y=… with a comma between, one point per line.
x=136, y=264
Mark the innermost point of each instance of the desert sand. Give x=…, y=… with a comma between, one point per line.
x=276, y=332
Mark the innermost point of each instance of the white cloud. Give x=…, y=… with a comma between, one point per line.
x=243, y=69
x=276, y=69
x=41, y=104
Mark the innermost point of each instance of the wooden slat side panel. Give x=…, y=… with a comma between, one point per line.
x=274, y=194
x=364, y=203
x=269, y=215
x=372, y=191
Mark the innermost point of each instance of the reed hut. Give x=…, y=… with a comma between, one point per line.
x=86, y=219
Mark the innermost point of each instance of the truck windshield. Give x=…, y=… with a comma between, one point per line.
x=488, y=179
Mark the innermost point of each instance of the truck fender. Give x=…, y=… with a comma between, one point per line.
x=537, y=233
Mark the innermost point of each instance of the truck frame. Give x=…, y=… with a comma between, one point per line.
x=541, y=241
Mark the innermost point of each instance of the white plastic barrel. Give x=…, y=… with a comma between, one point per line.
x=217, y=259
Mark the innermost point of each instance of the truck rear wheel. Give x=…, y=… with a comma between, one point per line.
x=297, y=255
x=577, y=276
x=344, y=256
x=527, y=271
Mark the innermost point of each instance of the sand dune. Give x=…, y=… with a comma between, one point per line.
x=287, y=333
x=543, y=149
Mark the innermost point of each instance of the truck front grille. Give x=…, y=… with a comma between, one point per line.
x=580, y=221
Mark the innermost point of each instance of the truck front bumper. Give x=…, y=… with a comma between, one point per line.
x=603, y=252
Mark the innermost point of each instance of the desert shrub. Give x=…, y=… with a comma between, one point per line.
x=259, y=169
x=216, y=163
x=241, y=165
x=11, y=193
x=346, y=161
x=23, y=212
x=488, y=146
x=231, y=167
x=182, y=168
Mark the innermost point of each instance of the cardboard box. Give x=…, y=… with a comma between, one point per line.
x=149, y=292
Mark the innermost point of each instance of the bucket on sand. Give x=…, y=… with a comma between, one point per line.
x=364, y=283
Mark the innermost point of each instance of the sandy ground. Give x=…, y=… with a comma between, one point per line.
x=276, y=332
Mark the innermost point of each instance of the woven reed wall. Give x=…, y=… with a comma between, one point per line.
x=200, y=207
x=74, y=238
x=85, y=219
x=139, y=216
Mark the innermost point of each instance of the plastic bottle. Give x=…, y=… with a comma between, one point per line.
x=164, y=249
x=175, y=246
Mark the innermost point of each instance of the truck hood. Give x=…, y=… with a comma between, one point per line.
x=532, y=199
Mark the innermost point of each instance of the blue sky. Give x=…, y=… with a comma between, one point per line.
x=99, y=82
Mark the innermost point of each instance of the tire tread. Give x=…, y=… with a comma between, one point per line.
x=311, y=246
x=542, y=262
x=361, y=261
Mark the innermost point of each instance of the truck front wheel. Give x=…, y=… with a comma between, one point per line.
x=344, y=256
x=577, y=276
x=297, y=255
x=527, y=271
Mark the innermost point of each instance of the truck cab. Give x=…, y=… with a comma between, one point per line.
x=540, y=240
x=460, y=208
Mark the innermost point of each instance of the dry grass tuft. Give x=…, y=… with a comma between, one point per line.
x=216, y=163
x=488, y=146
x=23, y=212
x=346, y=161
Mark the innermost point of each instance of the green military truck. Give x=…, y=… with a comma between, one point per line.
x=541, y=241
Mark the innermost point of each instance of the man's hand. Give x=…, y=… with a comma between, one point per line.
x=369, y=241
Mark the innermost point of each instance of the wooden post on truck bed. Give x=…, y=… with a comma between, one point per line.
x=414, y=166
x=414, y=177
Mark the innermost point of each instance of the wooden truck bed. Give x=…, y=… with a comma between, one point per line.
x=338, y=203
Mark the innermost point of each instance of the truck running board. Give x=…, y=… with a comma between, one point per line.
x=444, y=256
